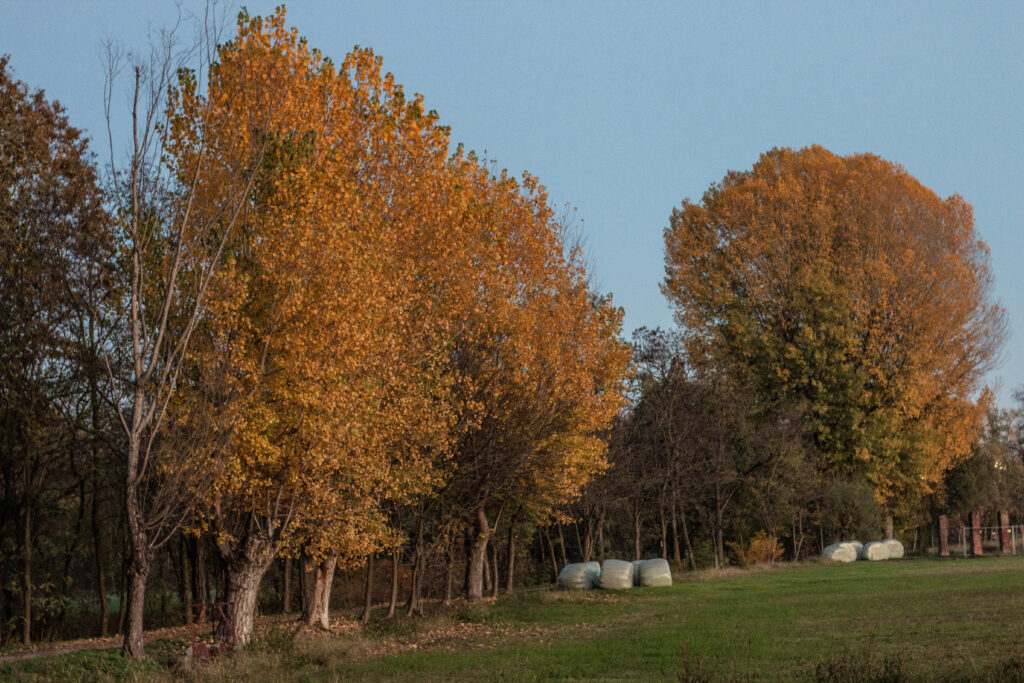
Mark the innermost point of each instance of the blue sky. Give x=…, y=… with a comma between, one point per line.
x=623, y=109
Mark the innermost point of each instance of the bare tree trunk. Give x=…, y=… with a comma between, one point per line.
x=600, y=536
x=101, y=583
x=449, y=575
x=636, y=528
x=286, y=598
x=888, y=526
x=494, y=565
x=588, y=540
x=187, y=592
x=394, y=583
x=478, y=556
x=686, y=539
x=561, y=545
x=246, y=567
x=551, y=552
x=138, y=572
x=676, y=555
x=510, y=569
x=664, y=527
x=318, y=578
x=368, y=595
x=26, y=633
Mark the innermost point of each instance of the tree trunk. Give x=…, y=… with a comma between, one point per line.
x=318, y=577
x=138, y=572
x=636, y=528
x=551, y=553
x=368, y=595
x=888, y=526
x=477, y=557
x=494, y=565
x=101, y=583
x=664, y=528
x=26, y=632
x=246, y=568
x=676, y=555
x=449, y=575
x=561, y=546
x=600, y=537
x=394, y=583
x=686, y=539
x=719, y=548
x=286, y=600
x=510, y=569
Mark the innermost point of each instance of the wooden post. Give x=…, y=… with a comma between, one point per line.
x=943, y=536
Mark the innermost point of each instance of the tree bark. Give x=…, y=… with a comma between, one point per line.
x=561, y=546
x=636, y=528
x=664, y=527
x=368, y=595
x=286, y=601
x=477, y=557
x=551, y=553
x=26, y=633
x=676, y=555
x=318, y=577
x=600, y=536
x=686, y=539
x=449, y=575
x=394, y=583
x=138, y=572
x=246, y=567
x=101, y=582
x=494, y=566
x=510, y=570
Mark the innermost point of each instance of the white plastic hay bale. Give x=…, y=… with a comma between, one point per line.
x=616, y=575
x=856, y=545
x=655, y=573
x=895, y=548
x=874, y=551
x=840, y=552
x=595, y=572
x=577, y=576
x=636, y=571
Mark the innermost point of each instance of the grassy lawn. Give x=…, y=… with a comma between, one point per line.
x=919, y=619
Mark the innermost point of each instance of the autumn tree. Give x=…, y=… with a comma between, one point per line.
x=319, y=352
x=845, y=284
x=56, y=254
x=171, y=245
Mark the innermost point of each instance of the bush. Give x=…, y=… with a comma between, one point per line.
x=761, y=549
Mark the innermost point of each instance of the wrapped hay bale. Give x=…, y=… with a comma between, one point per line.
x=856, y=545
x=655, y=573
x=874, y=551
x=595, y=572
x=895, y=548
x=576, y=576
x=616, y=575
x=636, y=571
x=840, y=552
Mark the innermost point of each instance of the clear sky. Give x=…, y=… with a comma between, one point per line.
x=624, y=109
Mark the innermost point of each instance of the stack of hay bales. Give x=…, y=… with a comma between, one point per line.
x=848, y=551
x=616, y=574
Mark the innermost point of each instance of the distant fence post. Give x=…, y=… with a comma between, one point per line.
x=943, y=536
x=1004, y=533
x=976, y=550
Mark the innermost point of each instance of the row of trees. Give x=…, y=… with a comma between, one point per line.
x=292, y=323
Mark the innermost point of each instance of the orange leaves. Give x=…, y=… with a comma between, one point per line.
x=844, y=284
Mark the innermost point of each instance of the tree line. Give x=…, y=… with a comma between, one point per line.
x=288, y=333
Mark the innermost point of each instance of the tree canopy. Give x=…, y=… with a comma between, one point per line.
x=843, y=285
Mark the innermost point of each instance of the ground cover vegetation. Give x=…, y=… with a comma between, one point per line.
x=291, y=334
x=922, y=619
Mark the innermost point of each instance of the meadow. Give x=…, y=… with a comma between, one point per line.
x=915, y=619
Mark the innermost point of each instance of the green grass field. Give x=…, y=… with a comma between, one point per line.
x=918, y=619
